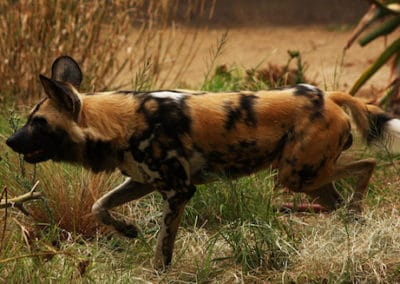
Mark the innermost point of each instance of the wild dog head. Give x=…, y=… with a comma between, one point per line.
x=49, y=131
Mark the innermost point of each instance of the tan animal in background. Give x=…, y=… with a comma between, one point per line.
x=169, y=141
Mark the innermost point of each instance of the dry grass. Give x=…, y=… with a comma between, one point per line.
x=230, y=232
x=360, y=252
x=70, y=193
x=110, y=40
x=133, y=40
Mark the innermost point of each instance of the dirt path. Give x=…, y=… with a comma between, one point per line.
x=320, y=48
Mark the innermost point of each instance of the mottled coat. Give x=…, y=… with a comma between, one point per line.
x=170, y=141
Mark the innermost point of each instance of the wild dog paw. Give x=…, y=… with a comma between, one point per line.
x=127, y=230
x=159, y=264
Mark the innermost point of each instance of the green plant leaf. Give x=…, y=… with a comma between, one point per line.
x=386, y=7
x=384, y=29
x=374, y=14
x=391, y=50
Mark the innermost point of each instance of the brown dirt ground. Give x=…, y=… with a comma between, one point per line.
x=321, y=48
x=261, y=32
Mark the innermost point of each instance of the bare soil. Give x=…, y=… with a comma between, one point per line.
x=261, y=33
x=321, y=49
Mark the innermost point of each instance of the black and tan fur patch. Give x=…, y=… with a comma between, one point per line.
x=170, y=141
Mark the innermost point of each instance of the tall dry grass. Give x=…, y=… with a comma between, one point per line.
x=111, y=40
x=118, y=44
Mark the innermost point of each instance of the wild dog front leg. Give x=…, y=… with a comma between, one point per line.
x=127, y=191
x=174, y=205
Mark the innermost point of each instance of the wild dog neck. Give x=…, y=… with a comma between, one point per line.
x=105, y=117
x=101, y=132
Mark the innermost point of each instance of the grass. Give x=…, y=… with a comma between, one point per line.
x=34, y=33
x=230, y=233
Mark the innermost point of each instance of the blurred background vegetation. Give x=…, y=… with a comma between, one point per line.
x=381, y=20
x=105, y=37
x=108, y=38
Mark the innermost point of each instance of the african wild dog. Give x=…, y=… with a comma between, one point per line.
x=169, y=141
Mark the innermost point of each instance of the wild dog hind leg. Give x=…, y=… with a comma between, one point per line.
x=362, y=170
x=327, y=195
x=127, y=191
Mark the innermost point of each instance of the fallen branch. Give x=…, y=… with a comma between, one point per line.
x=18, y=202
x=302, y=207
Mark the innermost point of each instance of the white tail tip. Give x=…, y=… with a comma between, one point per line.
x=392, y=136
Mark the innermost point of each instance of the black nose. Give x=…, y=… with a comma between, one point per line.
x=17, y=141
x=10, y=142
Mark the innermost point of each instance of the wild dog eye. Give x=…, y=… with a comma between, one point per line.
x=39, y=121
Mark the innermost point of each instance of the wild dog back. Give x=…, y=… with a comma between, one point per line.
x=241, y=132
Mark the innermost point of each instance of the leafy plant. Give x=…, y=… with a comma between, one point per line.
x=387, y=14
x=258, y=78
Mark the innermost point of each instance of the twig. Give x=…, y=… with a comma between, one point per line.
x=47, y=253
x=18, y=202
x=215, y=54
x=3, y=233
x=364, y=23
x=51, y=251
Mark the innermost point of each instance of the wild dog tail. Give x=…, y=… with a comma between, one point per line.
x=373, y=122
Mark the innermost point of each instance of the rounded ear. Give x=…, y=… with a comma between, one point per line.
x=63, y=95
x=65, y=69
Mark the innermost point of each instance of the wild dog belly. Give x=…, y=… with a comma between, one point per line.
x=240, y=158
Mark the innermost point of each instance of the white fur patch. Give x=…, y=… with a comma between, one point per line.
x=311, y=88
x=392, y=135
x=165, y=95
